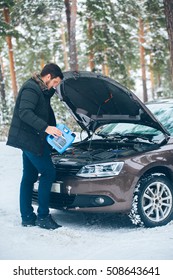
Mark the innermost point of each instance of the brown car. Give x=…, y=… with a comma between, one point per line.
x=125, y=164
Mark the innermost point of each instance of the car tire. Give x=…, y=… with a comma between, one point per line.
x=153, y=201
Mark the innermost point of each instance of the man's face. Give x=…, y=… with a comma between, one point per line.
x=52, y=82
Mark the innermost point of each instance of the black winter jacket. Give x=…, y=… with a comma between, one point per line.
x=32, y=114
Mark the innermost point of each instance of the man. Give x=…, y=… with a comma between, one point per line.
x=33, y=119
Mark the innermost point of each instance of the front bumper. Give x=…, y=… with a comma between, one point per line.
x=75, y=202
x=89, y=195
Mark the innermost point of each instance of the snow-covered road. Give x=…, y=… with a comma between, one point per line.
x=98, y=237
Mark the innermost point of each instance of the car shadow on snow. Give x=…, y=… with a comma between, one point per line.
x=100, y=220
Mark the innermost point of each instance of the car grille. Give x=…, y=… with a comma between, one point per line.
x=64, y=170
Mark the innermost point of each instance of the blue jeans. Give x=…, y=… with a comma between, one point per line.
x=32, y=166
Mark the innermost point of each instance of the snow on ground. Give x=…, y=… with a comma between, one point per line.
x=98, y=237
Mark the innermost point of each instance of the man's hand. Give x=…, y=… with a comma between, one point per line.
x=54, y=131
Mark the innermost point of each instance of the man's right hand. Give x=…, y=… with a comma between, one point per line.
x=54, y=131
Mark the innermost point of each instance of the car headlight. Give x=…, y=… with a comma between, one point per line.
x=101, y=169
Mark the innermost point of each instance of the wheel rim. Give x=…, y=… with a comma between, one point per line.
x=157, y=201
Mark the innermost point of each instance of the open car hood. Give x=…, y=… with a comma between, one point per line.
x=94, y=100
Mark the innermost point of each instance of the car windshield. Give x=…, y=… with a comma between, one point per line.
x=162, y=111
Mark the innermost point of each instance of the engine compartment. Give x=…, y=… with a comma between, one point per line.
x=101, y=150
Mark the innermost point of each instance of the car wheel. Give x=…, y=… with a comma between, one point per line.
x=152, y=202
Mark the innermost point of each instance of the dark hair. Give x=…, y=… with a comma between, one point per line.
x=52, y=69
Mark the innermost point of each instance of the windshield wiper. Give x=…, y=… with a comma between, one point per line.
x=133, y=136
x=106, y=135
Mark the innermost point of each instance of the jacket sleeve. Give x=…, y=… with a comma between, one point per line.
x=28, y=103
x=52, y=119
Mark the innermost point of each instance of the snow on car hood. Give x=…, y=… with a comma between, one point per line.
x=94, y=100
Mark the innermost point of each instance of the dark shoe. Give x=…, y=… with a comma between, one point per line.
x=29, y=221
x=47, y=223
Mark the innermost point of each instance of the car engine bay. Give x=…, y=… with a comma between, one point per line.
x=101, y=150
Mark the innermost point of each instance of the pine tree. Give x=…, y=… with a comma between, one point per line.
x=71, y=13
x=168, y=8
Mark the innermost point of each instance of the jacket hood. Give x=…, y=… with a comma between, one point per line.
x=37, y=78
x=94, y=100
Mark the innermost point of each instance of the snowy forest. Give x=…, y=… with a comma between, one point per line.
x=130, y=41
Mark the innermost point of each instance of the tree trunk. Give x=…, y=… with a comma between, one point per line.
x=68, y=16
x=142, y=59
x=10, y=52
x=159, y=82
x=151, y=76
x=151, y=66
x=168, y=7
x=105, y=68
x=2, y=85
x=42, y=62
x=72, y=48
x=64, y=47
x=90, y=37
x=71, y=12
x=2, y=94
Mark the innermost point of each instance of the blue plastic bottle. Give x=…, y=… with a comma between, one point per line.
x=62, y=142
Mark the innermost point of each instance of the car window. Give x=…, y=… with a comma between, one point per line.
x=126, y=128
x=163, y=112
